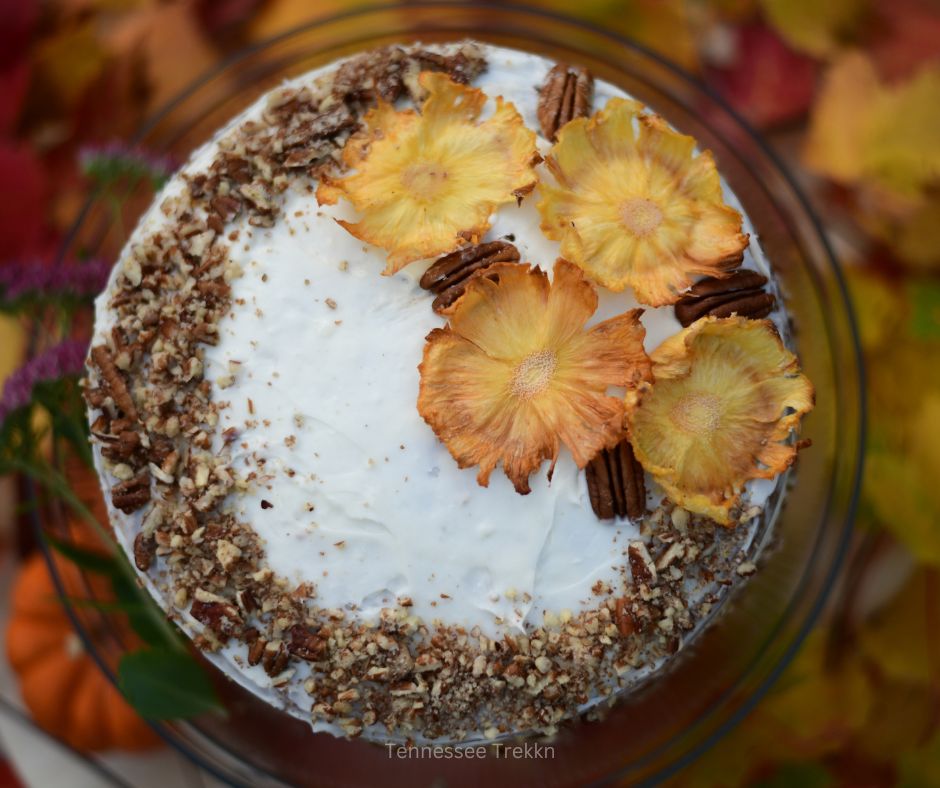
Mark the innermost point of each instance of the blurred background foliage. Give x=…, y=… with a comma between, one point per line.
x=848, y=91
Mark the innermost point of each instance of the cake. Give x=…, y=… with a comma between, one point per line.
x=440, y=395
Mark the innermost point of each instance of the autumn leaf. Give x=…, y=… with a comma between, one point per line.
x=850, y=97
x=902, y=638
x=160, y=33
x=918, y=240
x=766, y=81
x=879, y=306
x=882, y=141
x=70, y=60
x=817, y=28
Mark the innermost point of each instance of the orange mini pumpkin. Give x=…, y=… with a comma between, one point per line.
x=61, y=685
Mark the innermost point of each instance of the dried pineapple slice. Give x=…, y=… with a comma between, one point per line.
x=638, y=210
x=427, y=183
x=726, y=394
x=515, y=373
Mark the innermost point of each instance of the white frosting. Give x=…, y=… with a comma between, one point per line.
x=366, y=502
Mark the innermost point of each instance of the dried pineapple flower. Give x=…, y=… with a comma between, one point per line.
x=516, y=373
x=427, y=183
x=638, y=210
x=726, y=394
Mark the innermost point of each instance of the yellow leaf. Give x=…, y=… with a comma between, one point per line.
x=878, y=306
x=850, y=98
x=903, y=496
x=862, y=130
x=812, y=26
x=173, y=46
x=71, y=60
x=899, y=640
x=902, y=149
x=814, y=710
x=918, y=239
x=276, y=16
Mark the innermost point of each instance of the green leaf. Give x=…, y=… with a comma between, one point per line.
x=139, y=608
x=99, y=563
x=162, y=684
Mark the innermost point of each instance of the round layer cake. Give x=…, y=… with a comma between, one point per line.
x=440, y=395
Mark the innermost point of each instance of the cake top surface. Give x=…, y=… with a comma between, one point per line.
x=324, y=478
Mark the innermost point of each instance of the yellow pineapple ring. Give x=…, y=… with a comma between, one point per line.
x=638, y=210
x=726, y=394
x=515, y=373
x=427, y=183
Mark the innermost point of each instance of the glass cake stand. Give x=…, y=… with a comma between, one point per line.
x=723, y=672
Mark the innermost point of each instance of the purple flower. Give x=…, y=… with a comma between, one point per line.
x=114, y=161
x=35, y=278
x=66, y=358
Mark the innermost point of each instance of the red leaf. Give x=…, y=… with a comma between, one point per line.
x=19, y=18
x=765, y=80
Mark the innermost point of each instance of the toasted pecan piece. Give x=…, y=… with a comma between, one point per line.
x=566, y=94
x=448, y=276
x=742, y=294
x=130, y=495
x=114, y=380
x=616, y=483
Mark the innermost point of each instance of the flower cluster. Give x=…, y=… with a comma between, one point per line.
x=117, y=161
x=35, y=279
x=65, y=358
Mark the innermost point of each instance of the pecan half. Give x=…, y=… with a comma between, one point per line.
x=616, y=484
x=566, y=94
x=306, y=644
x=129, y=496
x=448, y=276
x=114, y=380
x=742, y=294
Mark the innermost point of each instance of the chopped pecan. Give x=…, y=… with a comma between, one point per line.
x=256, y=650
x=566, y=94
x=221, y=617
x=641, y=564
x=461, y=66
x=214, y=288
x=114, y=380
x=616, y=483
x=448, y=276
x=129, y=496
x=306, y=644
x=370, y=76
x=275, y=658
x=122, y=447
x=623, y=617
x=226, y=206
x=145, y=549
x=742, y=293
